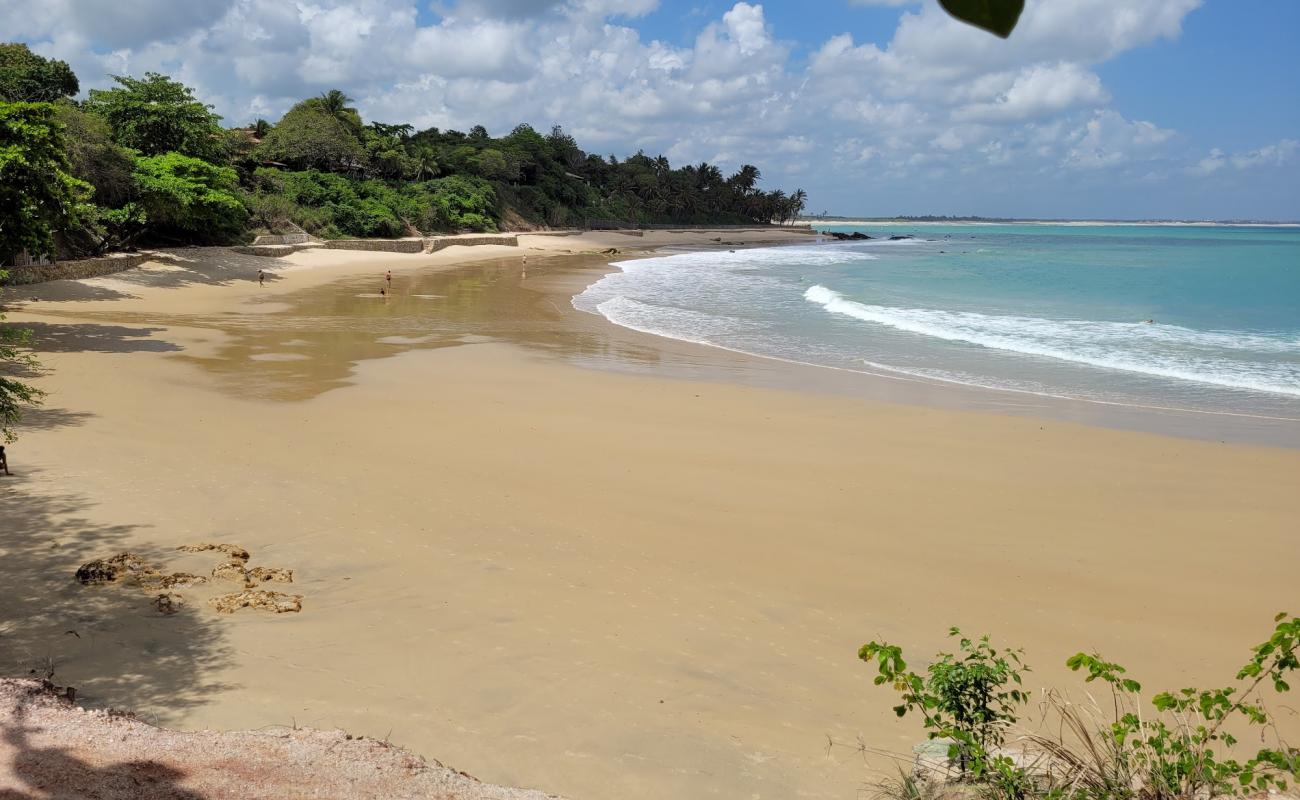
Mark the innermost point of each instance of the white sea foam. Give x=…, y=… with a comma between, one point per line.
x=1212, y=357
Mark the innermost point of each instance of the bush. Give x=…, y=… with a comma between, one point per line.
x=967, y=698
x=1183, y=750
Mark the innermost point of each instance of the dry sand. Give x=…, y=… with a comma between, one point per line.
x=592, y=582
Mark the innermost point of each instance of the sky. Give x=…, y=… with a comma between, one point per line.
x=1116, y=109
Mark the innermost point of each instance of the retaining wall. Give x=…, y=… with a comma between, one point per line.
x=288, y=238
x=270, y=250
x=75, y=270
x=378, y=245
x=433, y=245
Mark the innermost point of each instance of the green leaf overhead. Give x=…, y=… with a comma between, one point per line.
x=995, y=16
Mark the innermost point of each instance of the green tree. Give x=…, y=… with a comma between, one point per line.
x=27, y=77
x=158, y=115
x=94, y=156
x=180, y=194
x=38, y=194
x=311, y=137
x=337, y=105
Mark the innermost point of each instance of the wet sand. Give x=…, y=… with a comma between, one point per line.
x=648, y=581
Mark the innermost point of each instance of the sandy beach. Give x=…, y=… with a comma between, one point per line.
x=560, y=555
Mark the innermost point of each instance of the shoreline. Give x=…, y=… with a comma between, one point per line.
x=592, y=581
x=1062, y=223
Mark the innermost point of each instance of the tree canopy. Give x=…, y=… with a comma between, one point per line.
x=156, y=166
x=157, y=115
x=27, y=77
x=311, y=136
x=190, y=196
x=38, y=194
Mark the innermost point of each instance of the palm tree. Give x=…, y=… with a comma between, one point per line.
x=747, y=178
x=336, y=102
x=798, y=201
x=261, y=128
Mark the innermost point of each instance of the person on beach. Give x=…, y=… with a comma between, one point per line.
x=383, y=293
x=4, y=461
x=389, y=278
x=261, y=278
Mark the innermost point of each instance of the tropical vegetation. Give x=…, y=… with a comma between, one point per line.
x=1183, y=745
x=146, y=161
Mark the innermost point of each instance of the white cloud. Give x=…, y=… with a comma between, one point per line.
x=938, y=98
x=1273, y=155
x=1109, y=140
x=1212, y=163
x=1279, y=154
x=1040, y=91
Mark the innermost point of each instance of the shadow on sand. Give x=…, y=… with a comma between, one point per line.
x=55, y=772
x=109, y=642
x=220, y=266
x=90, y=337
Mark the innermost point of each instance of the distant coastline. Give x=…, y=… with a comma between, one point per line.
x=931, y=220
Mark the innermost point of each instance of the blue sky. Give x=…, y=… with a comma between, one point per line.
x=1094, y=108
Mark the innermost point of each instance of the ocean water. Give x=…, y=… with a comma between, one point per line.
x=1058, y=310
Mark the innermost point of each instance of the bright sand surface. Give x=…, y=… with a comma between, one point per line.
x=598, y=582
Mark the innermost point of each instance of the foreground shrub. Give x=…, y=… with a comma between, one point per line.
x=1182, y=748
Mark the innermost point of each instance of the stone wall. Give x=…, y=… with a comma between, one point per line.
x=270, y=250
x=75, y=270
x=288, y=238
x=378, y=245
x=435, y=244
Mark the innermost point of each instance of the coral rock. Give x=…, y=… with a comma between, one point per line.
x=263, y=574
x=258, y=598
x=168, y=603
x=234, y=551
x=123, y=566
x=231, y=571
x=182, y=580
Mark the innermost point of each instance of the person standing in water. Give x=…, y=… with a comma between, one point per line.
x=389, y=278
x=261, y=278
x=4, y=461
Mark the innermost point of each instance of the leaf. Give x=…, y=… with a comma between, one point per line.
x=995, y=16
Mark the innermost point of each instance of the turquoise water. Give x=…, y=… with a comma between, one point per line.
x=1057, y=310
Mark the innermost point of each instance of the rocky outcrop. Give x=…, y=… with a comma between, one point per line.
x=276, y=602
x=269, y=574
x=235, y=552
x=856, y=236
x=121, y=567
x=230, y=571
x=130, y=569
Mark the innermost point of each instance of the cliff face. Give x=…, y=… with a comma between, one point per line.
x=52, y=748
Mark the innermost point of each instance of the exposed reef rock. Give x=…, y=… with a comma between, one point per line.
x=265, y=574
x=130, y=569
x=230, y=571
x=121, y=567
x=276, y=602
x=169, y=603
x=234, y=551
